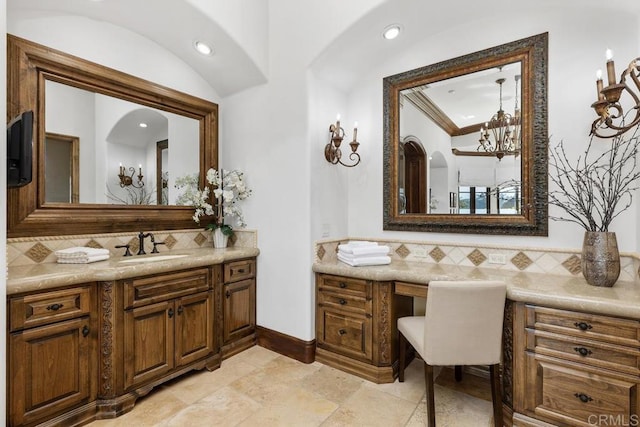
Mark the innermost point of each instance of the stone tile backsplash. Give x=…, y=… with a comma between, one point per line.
x=38, y=250
x=531, y=260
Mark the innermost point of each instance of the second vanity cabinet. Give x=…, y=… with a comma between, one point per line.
x=168, y=323
x=574, y=368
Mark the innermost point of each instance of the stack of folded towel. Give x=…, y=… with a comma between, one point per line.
x=360, y=253
x=81, y=255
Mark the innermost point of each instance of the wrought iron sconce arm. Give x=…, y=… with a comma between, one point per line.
x=612, y=119
x=332, y=152
x=127, y=180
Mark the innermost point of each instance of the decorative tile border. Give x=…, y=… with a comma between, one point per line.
x=534, y=260
x=38, y=250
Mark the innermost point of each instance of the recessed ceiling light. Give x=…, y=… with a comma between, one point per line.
x=203, y=48
x=391, y=31
x=142, y=125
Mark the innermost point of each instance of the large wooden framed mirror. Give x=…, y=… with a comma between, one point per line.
x=116, y=120
x=438, y=174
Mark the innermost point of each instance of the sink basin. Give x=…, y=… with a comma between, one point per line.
x=153, y=258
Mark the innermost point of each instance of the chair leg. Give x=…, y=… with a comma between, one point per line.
x=402, y=356
x=496, y=395
x=458, y=373
x=431, y=406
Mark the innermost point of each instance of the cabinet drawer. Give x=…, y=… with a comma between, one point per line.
x=348, y=335
x=591, y=352
x=342, y=301
x=161, y=287
x=576, y=397
x=591, y=326
x=48, y=307
x=239, y=270
x=345, y=286
x=411, y=289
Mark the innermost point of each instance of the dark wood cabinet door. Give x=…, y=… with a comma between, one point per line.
x=148, y=342
x=50, y=370
x=239, y=309
x=194, y=327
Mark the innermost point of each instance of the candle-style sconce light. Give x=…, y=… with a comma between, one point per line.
x=612, y=119
x=332, y=150
x=127, y=180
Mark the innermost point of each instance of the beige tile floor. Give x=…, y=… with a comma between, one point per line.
x=261, y=388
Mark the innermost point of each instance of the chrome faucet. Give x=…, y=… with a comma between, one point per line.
x=141, y=237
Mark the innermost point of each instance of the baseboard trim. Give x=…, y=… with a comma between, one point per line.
x=295, y=348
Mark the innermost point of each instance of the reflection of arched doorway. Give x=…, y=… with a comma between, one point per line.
x=415, y=177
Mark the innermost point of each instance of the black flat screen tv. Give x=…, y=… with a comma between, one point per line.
x=19, y=150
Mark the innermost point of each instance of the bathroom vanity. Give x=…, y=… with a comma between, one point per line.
x=86, y=341
x=571, y=352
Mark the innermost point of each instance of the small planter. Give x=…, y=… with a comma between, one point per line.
x=600, y=258
x=220, y=239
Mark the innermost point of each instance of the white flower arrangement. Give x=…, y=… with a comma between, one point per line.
x=228, y=189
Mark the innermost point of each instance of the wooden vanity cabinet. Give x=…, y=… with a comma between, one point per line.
x=356, y=325
x=51, y=353
x=575, y=369
x=168, y=323
x=239, y=306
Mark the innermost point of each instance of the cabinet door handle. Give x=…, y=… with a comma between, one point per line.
x=583, y=351
x=85, y=331
x=342, y=302
x=180, y=309
x=170, y=312
x=241, y=270
x=583, y=397
x=55, y=307
x=343, y=285
x=342, y=332
x=228, y=294
x=583, y=326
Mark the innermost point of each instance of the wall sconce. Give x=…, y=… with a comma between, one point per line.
x=127, y=180
x=332, y=150
x=610, y=111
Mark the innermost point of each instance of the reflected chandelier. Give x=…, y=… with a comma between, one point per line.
x=612, y=120
x=505, y=129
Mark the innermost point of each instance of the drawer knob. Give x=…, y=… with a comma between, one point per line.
x=342, y=332
x=583, y=351
x=342, y=302
x=241, y=270
x=228, y=294
x=583, y=397
x=343, y=285
x=583, y=326
x=55, y=307
x=85, y=331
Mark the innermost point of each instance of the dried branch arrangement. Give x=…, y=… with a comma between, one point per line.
x=601, y=184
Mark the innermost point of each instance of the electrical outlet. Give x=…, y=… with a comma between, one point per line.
x=419, y=252
x=497, y=259
x=326, y=230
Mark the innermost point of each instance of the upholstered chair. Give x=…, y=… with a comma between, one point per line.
x=462, y=326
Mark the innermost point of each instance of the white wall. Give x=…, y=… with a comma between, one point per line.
x=575, y=52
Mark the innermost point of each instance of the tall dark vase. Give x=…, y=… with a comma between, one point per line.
x=600, y=258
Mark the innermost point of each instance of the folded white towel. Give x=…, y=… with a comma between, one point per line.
x=83, y=259
x=80, y=252
x=364, y=250
x=359, y=262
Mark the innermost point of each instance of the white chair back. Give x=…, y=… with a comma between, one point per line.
x=463, y=323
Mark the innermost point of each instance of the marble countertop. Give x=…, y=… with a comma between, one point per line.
x=45, y=276
x=565, y=292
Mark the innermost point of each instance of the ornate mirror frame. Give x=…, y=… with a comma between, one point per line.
x=28, y=66
x=532, y=52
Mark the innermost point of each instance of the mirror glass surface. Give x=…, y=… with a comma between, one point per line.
x=443, y=170
x=440, y=157
x=114, y=134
